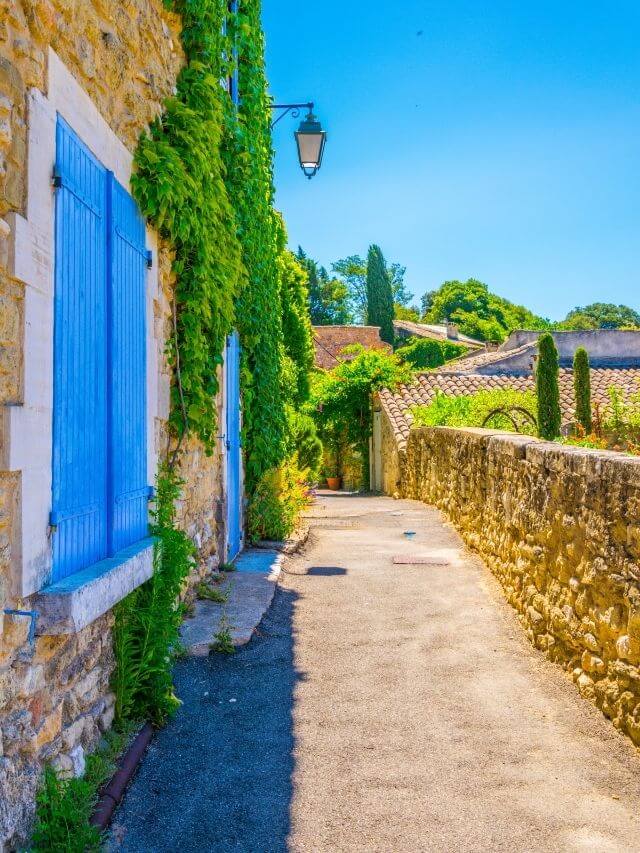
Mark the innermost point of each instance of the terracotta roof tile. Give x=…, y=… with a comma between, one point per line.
x=423, y=389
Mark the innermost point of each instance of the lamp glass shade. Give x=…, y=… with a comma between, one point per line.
x=310, y=138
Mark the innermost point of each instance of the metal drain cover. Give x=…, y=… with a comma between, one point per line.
x=409, y=560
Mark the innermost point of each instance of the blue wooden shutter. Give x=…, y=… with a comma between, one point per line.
x=129, y=490
x=79, y=499
x=234, y=453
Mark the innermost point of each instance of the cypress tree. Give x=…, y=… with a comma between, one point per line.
x=379, y=295
x=547, y=388
x=582, y=388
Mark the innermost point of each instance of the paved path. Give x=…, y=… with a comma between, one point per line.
x=383, y=708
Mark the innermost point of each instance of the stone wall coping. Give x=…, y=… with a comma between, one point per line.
x=69, y=605
x=547, y=454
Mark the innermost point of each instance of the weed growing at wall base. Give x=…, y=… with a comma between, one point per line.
x=64, y=806
x=147, y=621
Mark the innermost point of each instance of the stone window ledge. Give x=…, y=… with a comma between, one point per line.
x=69, y=605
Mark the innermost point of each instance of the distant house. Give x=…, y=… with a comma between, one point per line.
x=439, y=332
x=330, y=342
x=607, y=348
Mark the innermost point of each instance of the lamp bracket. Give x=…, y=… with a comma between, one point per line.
x=294, y=109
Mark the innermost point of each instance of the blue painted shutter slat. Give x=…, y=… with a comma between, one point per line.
x=79, y=484
x=129, y=492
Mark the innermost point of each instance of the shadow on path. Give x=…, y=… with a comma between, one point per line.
x=219, y=776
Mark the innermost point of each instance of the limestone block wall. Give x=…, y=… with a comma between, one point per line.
x=560, y=528
x=54, y=695
x=392, y=459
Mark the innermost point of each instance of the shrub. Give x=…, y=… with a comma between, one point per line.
x=306, y=444
x=472, y=410
x=424, y=353
x=280, y=496
x=547, y=388
x=582, y=388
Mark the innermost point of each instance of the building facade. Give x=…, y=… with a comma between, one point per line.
x=86, y=296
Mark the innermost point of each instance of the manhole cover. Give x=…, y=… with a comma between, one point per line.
x=408, y=560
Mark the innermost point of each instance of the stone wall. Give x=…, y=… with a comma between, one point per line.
x=54, y=695
x=392, y=459
x=560, y=528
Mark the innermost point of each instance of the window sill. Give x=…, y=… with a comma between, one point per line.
x=69, y=605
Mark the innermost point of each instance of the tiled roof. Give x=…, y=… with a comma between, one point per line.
x=423, y=389
x=330, y=341
x=437, y=332
x=470, y=363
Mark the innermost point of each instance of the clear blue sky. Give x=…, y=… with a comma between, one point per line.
x=498, y=140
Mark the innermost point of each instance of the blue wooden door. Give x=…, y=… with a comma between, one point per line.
x=79, y=498
x=233, y=447
x=128, y=482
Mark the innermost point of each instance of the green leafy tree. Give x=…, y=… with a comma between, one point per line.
x=328, y=296
x=601, y=315
x=582, y=388
x=547, y=388
x=341, y=399
x=353, y=271
x=426, y=302
x=379, y=295
x=406, y=312
x=424, y=353
x=478, y=312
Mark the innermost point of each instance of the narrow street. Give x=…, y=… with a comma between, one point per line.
x=383, y=707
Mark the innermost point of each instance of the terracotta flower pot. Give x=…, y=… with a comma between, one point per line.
x=334, y=483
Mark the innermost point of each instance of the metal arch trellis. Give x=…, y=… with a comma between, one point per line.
x=509, y=413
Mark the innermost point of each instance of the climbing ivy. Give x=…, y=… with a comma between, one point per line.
x=180, y=186
x=203, y=152
x=248, y=155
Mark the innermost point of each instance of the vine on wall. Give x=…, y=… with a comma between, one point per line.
x=180, y=186
x=248, y=155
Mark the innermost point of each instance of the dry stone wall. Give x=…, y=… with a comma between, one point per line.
x=560, y=528
x=54, y=695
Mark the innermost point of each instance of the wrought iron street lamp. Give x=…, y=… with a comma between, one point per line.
x=310, y=137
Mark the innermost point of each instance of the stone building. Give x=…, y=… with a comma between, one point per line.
x=330, y=343
x=81, y=275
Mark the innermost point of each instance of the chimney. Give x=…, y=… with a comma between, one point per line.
x=452, y=330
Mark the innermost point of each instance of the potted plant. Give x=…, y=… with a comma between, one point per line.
x=334, y=481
